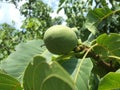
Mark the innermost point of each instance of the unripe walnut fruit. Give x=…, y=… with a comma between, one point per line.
x=60, y=39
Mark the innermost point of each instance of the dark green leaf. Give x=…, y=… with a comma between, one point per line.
x=61, y=2
x=39, y=73
x=55, y=82
x=94, y=81
x=80, y=71
x=9, y=83
x=59, y=9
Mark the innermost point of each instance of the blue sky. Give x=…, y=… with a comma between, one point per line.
x=9, y=13
x=52, y=3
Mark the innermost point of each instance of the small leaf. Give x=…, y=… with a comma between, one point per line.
x=60, y=8
x=61, y=2
x=9, y=83
x=110, y=81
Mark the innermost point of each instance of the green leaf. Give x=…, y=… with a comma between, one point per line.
x=55, y=82
x=94, y=81
x=16, y=62
x=96, y=16
x=61, y=2
x=9, y=83
x=111, y=81
x=80, y=71
x=108, y=45
x=60, y=8
x=32, y=23
x=35, y=73
x=57, y=69
x=41, y=75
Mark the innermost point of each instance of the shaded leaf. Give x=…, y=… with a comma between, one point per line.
x=80, y=71
x=16, y=62
x=94, y=81
x=35, y=73
x=55, y=82
x=9, y=83
x=110, y=81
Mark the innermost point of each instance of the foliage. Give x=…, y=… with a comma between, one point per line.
x=35, y=24
x=94, y=64
x=101, y=18
x=9, y=38
x=25, y=56
x=57, y=20
x=110, y=81
x=37, y=19
x=9, y=83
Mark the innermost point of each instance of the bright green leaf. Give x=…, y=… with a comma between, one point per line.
x=111, y=81
x=108, y=45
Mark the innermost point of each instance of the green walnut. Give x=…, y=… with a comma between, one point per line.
x=60, y=39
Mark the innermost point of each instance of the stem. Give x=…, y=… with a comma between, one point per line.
x=83, y=60
x=88, y=51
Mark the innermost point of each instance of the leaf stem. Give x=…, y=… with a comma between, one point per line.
x=88, y=51
x=83, y=60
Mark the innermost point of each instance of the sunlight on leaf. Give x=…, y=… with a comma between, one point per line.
x=111, y=81
x=16, y=62
x=108, y=46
